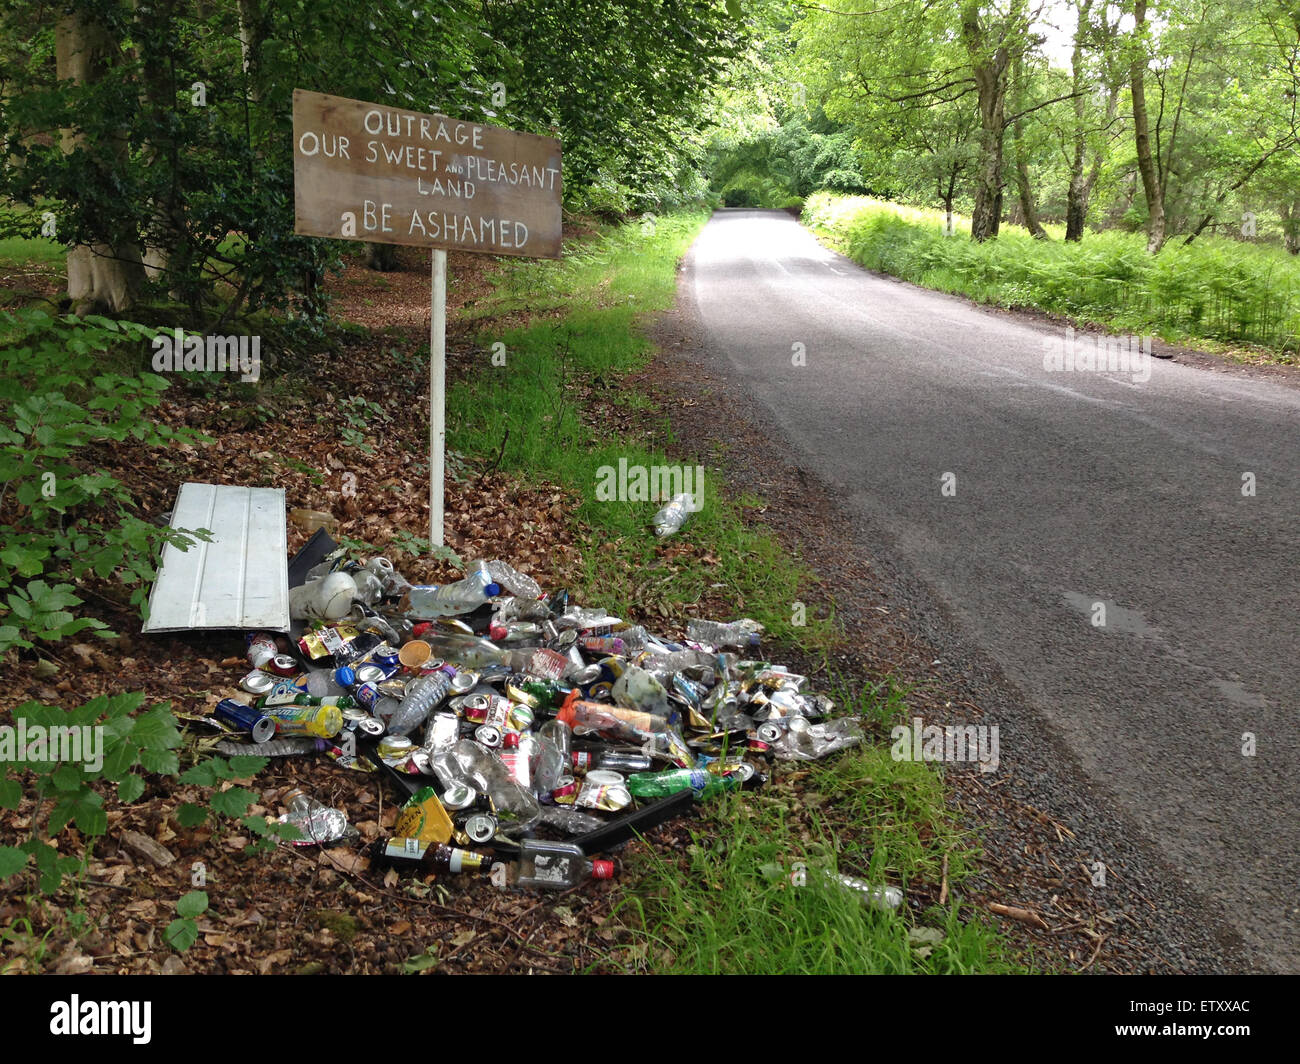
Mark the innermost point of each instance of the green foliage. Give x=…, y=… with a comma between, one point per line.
x=183, y=932
x=722, y=914
x=625, y=84
x=183, y=145
x=102, y=741
x=65, y=388
x=1213, y=289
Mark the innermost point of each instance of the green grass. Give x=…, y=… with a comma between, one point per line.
x=17, y=249
x=1216, y=289
x=606, y=287
x=718, y=908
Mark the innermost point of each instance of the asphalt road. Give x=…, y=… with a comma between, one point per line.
x=1023, y=497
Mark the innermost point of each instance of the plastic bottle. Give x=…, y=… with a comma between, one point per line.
x=671, y=518
x=740, y=634
x=569, y=820
x=287, y=747
x=546, y=763
x=429, y=601
x=422, y=695
x=322, y=721
x=481, y=769
x=619, y=761
x=633, y=637
x=874, y=897
x=449, y=771
x=557, y=865
x=665, y=664
x=581, y=617
x=512, y=580
x=462, y=648
x=559, y=735
x=661, y=784
x=321, y=684
x=616, y=723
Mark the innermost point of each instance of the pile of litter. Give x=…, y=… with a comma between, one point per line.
x=511, y=717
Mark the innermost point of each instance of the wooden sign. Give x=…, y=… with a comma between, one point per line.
x=367, y=171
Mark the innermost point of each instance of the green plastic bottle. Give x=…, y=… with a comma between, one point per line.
x=670, y=781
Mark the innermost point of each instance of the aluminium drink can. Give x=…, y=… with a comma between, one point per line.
x=246, y=718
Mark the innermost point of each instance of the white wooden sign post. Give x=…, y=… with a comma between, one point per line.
x=370, y=172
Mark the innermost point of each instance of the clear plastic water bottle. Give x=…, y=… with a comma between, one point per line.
x=321, y=684
x=512, y=580
x=422, y=695
x=569, y=820
x=671, y=518
x=715, y=633
x=545, y=762
x=428, y=601
x=462, y=648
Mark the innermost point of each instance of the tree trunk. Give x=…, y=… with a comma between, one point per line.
x=1076, y=196
x=166, y=237
x=1026, y=193
x=251, y=34
x=989, y=70
x=100, y=277
x=381, y=257
x=1151, y=183
x=1024, y=190
x=1291, y=225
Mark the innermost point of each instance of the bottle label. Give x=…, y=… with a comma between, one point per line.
x=332, y=640
x=405, y=849
x=551, y=868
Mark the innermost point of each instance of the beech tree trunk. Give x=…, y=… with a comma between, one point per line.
x=989, y=66
x=1151, y=183
x=101, y=277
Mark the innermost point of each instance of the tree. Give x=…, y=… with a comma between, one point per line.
x=107, y=273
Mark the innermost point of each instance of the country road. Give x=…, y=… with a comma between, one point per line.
x=1024, y=498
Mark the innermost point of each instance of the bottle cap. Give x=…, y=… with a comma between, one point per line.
x=602, y=869
x=345, y=677
x=492, y=590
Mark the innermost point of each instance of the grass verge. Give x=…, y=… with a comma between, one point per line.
x=1220, y=293
x=755, y=893
x=554, y=409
